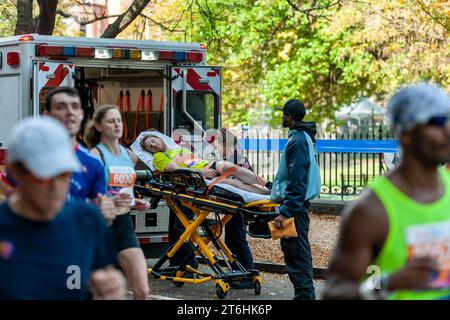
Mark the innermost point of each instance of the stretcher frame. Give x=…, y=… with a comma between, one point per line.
x=187, y=188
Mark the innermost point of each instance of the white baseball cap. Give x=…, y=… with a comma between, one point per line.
x=43, y=146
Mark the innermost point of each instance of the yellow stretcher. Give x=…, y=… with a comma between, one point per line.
x=188, y=189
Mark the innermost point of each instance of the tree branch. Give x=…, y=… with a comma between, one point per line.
x=314, y=8
x=98, y=19
x=416, y=30
x=307, y=11
x=63, y=14
x=206, y=13
x=293, y=5
x=81, y=22
x=435, y=19
x=164, y=27
x=125, y=19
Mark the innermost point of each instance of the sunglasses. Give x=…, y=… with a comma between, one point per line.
x=440, y=121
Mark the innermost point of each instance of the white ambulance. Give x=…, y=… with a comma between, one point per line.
x=160, y=85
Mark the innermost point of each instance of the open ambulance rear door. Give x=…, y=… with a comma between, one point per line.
x=48, y=75
x=195, y=100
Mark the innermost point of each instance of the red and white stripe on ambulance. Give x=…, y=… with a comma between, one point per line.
x=48, y=75
x=194, y=77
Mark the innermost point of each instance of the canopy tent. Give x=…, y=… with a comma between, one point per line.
x=362, y=109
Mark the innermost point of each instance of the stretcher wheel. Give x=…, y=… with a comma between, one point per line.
x=178, y=284
x=257, y=287
x=220, y=292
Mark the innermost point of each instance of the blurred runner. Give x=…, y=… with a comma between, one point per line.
x=102, y=135
x=394, y=240
x=50, y=248
x=64, y=104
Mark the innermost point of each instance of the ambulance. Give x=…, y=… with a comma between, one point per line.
x=159, y=85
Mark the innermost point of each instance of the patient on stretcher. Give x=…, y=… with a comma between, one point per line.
x=168, y=157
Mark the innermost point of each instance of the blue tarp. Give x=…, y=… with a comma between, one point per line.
x=361, y=146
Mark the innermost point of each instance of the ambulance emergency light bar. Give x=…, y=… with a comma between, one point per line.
x=44, y=50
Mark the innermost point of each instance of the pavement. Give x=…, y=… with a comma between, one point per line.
x=274, y=287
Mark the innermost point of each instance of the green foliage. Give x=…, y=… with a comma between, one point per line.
x=8, y=19
x=272, y=52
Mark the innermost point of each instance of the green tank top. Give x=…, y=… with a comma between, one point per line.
x=411, y=222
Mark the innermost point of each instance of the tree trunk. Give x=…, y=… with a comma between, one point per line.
x=125, y=19
x=25, y=22
x=47, y=16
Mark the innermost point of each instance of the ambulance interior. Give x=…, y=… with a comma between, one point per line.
x=141, y=96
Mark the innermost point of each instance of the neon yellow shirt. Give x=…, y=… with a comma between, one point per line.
x=416, y=229
x=181, y=156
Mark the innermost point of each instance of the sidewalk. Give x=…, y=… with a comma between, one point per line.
x=275, y=287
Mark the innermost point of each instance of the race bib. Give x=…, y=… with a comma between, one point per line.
x=432, y=240
x=121, y=177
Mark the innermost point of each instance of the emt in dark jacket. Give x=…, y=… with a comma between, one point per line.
x=228, y=149
x=297, y=181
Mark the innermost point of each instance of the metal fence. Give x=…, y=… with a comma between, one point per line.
x=348, y=162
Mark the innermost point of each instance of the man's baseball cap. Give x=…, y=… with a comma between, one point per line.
x=417, y=104
x=293, y=108
x=43, y=146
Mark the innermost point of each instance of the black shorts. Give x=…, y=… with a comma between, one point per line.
x=123, y=233
x=213, y=166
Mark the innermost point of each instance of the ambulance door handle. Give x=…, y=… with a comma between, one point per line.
x=69, y=71
x=203, y=81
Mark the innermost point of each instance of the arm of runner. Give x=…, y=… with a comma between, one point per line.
x=355, y=249
x=122, y=199
x=142, y=204
x=107, y=208
x=108, y=284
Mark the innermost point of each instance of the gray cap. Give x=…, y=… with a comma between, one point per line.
x=43, y=146
x=417, y=104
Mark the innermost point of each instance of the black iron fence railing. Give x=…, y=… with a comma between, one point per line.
x=348, y=162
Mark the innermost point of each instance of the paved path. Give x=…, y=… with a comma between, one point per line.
x=275, y=287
